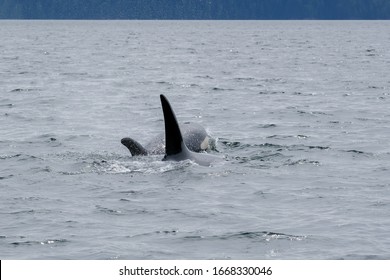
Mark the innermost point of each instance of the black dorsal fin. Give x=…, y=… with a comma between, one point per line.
x=173, y=138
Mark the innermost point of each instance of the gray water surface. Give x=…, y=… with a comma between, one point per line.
x=300, y=111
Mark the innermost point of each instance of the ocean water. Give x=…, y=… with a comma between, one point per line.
x=300, y=111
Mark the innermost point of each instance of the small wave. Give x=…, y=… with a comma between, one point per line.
x=229, y=144
x=23, y=212
x=379, y=204
x=302, y=161
x=30, y=198
x=109, y=211
x=364, y=257
x=25, y=90
x=8, y=105
x=371, y=52
x=237, y=144
x=259, y=157
x=48, y=137
x=205, y=77
x=23, y=157
x=319, y=147
x=6, y=177
x=192, y=85
x=306, y=147
x=277, y=147
x=244, y=79
x=267, y=125
x=189, y=85
x=274, y=80
x=303, y=94
x=131, y=192
x=313, y=113
x=261, y=235
x=74, y=74
x=44, y=242
x=377, y=87
x=194, y=237
x=222, y=89
x=359, y=153
x=167, y=232
x=355, y=152
x=278, y=136
x=153, y=233
x=11, y=57
x=32, y=212
x=270, y=92
x=10, y=156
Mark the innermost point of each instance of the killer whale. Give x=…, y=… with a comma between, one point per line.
x=195, y=137
x=175, y=147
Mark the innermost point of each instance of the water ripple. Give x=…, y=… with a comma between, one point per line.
x=55, y=242
x=255, y=235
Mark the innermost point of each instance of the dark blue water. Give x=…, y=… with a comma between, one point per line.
x=300, y=111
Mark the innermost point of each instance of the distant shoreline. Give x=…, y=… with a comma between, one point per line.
x=157, y=19
x=196, y=10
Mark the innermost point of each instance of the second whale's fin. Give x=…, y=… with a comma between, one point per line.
x=134, y=147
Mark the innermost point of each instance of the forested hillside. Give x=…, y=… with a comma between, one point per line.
x=195, y=9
